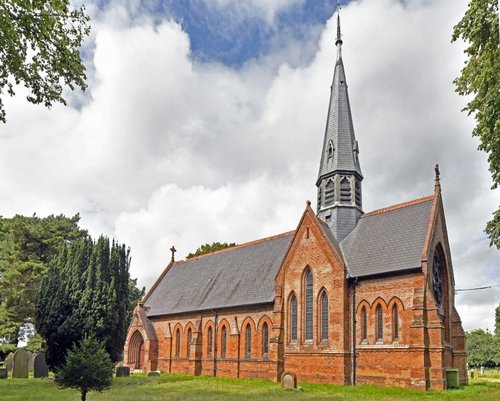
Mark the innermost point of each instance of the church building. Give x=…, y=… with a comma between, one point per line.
x=348, y=297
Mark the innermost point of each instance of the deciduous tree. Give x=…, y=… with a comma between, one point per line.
x=208, y=248
x=40, y=48
x=481, y=78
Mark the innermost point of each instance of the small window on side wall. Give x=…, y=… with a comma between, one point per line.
x=395, y=323
x=293, y=318
x=380, y=324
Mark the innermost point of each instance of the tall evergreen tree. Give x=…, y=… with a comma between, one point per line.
x=85, y=292
x=497, y=321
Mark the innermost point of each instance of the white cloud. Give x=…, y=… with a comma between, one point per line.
x=168, y=150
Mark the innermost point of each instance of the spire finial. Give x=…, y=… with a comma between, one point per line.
x=173, y=250
x=339, y=35
x=437, y=182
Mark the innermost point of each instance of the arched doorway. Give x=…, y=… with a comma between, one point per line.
x=136, y=351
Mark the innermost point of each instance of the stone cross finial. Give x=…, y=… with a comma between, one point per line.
x=173, y=250
x=437, y=183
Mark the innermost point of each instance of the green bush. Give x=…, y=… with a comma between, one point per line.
x=87, y=367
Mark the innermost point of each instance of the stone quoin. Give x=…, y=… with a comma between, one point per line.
x=348, y=297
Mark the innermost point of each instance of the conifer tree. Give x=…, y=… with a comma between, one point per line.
x=86, y=292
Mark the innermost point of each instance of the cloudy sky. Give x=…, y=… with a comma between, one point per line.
x=203, y=121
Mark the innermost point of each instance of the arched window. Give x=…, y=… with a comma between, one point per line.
x=223, y=335
x=189, y=339
x=293, y=318
x=395, y=322
x=324, y=316
x=329, y=192
x=178, y=342
x=363, y=324
x=308, y=306
x=210, y=341
x=380, y=333
x=265, y=339
x=248, y=342
x=345, y=190
x=437, y=284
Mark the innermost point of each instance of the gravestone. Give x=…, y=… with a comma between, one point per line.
x=154, y=373
x=20, y=370
x=30, y=361
x=4, y=373
x=40, y=366
x=9, y=362
x=122, y=371
x=289, y=380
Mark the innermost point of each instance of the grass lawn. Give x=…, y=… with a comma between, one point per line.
x=181, y=387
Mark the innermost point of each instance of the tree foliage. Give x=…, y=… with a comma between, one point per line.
x=39, y=47
x=483, y=349
x=87, y=367
x=497, y=321
x=208, y=248
x=85, y=292
x=27, y=246
x=481, y=78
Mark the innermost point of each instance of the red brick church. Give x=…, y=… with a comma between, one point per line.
x=348, y=297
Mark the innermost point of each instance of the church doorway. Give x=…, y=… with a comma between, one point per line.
x=136, y=351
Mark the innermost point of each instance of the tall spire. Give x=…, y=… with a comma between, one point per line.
x=339, y=178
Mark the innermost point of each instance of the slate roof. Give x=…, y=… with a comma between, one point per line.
x=388, y=240
x=239, y=276
x=339, y=129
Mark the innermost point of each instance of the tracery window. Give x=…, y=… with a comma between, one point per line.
x=395, y=322
x=380, y=325
x=265, y=339
x=293, y=318
x=223, y=342
x=324, y=316
x=210, y=341
x=437, y=285
x=248, y=342
x=309, y=305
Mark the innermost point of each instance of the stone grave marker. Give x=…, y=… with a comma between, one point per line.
x=9, y=362
x=289, y=380
x=4, y=373
x=20, y=370
x=154, y=373
x=122, y=371
x=30, y=361
x=40, y=366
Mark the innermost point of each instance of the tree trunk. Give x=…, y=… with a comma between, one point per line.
x=84, y=395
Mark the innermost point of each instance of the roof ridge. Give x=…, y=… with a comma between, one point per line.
x=257, y=241
x=399, y=206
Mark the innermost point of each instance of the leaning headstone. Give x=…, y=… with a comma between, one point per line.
x=482, y=370
x=20, y=370
x=9, y=362
x=289, y=380
x=122, y=371
x=40, y=366
x=30, y=361
x=4, y=373
x=154, y=373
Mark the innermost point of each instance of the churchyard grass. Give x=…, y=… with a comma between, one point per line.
x=181, y=387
